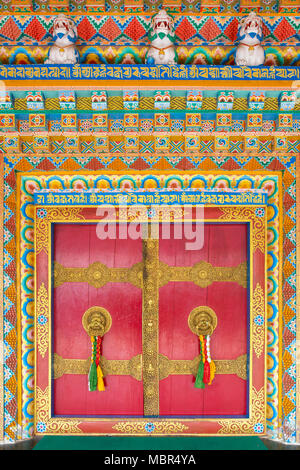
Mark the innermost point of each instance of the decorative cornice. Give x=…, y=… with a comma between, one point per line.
x=117, y=28
x=145, y=72
x=207, y=7
x=132, y=146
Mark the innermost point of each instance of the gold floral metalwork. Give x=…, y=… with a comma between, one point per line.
x=202, y=320
x=247, y=426
x=96, y=321
x=258, y=320
x=155, y=427
x=98, y=274
x=168, y=366
x=42, y=320
x=150, y=327
x=53, y=213
x=244, y=213
x=202, y=274
x=46, y=424
x=132, y=367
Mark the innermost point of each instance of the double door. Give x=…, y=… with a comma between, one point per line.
x=150, y=355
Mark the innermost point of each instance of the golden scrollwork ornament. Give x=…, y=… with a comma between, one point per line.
x=96, y=321
x=202, y=321
x=42, y=320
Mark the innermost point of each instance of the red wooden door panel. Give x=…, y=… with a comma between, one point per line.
x=224, y=245
x=78, y=246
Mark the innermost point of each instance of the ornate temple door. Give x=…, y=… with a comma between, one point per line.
x=149, y=356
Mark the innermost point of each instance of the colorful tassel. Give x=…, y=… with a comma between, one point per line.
x=93, y=379
x=96, y=381
x=199, y=378
x=207, y=368
x=212, y=371
x=101, y=387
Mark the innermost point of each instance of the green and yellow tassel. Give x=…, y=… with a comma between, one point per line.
x=96, y=381
x=207, y=368
x=199, y=378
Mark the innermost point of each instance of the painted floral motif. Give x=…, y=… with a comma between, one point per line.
x=259, y=428
x=42, y=319
x=41, y=213
x=149, y=427
x=41, y=426
x=151, y=213
x=260, y=212
x=259, y=320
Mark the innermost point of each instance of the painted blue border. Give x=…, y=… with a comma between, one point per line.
x=148, y=198
x=146, y=72
x=214, y=417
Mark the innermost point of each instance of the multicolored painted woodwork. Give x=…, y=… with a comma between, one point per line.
x=207, y=7
x=229, y=159
x=196, y=30
x=173, y=181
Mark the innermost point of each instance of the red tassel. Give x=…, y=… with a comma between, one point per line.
x=206, y=372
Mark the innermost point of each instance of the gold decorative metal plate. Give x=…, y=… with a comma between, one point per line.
x=98, y=274
x=133, y=366
x=202, y=274
x=202, y=321
x=96, y=321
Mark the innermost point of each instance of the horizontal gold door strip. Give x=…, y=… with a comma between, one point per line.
x=133, y=366
x=98, y=274
x=168, y=366
x=202, y=274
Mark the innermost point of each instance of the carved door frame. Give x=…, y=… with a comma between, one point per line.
x=45, y=423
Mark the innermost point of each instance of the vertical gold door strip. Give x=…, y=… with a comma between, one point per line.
x=150, y=327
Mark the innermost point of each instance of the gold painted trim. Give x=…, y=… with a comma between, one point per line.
x=258, y=318
x=42, y=224
x=159, y=427
x=44, y=421
x=258, y=240
x=246, y=426
x=42, y=320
